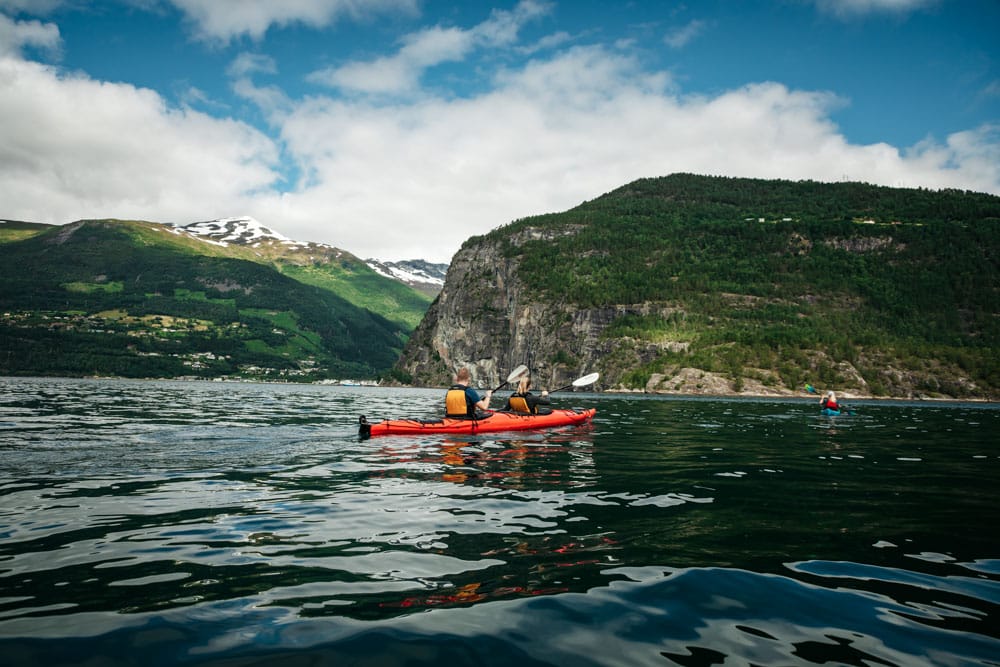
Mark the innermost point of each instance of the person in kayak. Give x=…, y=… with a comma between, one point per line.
x=829, y=402
x=524, y=402
x=464, y=402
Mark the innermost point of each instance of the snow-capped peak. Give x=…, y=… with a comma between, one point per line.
x=243, y=230
x=412, y=272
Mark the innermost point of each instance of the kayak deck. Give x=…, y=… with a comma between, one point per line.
x=494, y=422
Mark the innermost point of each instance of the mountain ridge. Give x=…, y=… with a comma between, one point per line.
x=143, y=299
x=696, y=284
x=426, y=277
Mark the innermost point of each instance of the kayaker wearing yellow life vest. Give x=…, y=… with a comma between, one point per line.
x=462, y=401
x=525, y=402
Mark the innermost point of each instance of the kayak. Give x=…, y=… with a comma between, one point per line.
x=493, y=422
x=833, y=413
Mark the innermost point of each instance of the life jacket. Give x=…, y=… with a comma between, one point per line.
x=830, y=404
x=519, y=403
x=455, y=404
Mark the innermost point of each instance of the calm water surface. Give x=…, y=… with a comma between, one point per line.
x=169, y=523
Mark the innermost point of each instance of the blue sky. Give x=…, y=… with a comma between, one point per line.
x=398, y=128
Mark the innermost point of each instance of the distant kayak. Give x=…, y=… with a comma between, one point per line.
x=494, y=422
x=833, y=413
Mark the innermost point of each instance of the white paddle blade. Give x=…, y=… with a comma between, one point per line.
x=517, y=373
x=586, y=379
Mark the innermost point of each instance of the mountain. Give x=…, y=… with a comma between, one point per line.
x=426, y=277
x=150, y=300
x=695, y=284
x=419, y=274
x=239, y=231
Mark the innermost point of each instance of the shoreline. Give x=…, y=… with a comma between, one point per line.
x=845, y=395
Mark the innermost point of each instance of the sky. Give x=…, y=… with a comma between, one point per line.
x=396, y=129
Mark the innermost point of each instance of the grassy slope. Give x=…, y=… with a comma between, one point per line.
x=142, y=269
x=356, y=282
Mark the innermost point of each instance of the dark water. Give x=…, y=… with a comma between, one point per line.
x=159, y=523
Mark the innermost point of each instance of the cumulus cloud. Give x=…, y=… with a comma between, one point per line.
x=270, y=99
x=224, y=20
x=16, y=35
x=400, y=73
x=413, y=177
x=680, y=37
x=72, y=147
x=417, y=179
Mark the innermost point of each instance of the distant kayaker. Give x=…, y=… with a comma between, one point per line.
x=829, y=402
x=525, y=402
x=462, y=401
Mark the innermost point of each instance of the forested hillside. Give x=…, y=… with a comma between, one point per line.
x=111, y=297
x=769, y=284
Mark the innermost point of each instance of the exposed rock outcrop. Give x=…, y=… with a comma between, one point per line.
x=485, y=319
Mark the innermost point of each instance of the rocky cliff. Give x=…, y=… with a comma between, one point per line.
x=486, y=318
x=710, y=285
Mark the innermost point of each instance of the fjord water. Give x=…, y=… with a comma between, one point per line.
x=198, y=523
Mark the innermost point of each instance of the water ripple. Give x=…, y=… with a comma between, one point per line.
x=247, y=524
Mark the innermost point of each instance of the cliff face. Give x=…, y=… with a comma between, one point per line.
x=486, y=319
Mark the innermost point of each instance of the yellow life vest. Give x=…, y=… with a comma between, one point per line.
x=519, y=404
x=455, y=404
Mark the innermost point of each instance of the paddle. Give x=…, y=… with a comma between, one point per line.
x=514, y=376
x=580, y=382
x=842, y=408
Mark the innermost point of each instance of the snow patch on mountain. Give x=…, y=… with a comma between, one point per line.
x=243, y=230
x=247, y=231
x=411, y=272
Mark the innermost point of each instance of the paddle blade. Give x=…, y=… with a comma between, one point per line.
x=517, y=373
x=586, y=379
x=811, y=389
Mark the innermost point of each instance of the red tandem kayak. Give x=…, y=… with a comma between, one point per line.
x=493, y=423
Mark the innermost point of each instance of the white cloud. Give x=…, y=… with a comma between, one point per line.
x=400, y=73
x=680, y=37
x=552, y=41
x=502, y=27
x=848, y=8
x=416, y=179
x=16, y=35
x=72, y=147
x=225, y=20
x=270, y=99
x=246, y=64
x=36, y=7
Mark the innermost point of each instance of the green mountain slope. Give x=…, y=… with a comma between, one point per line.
x=690, y=283
x=134, y=299
x=352, y=279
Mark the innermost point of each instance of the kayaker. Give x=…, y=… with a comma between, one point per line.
x=829, y=402
x=525, y=402
x=462, y=401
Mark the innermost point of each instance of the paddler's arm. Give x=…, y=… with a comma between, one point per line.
x=484, y=404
